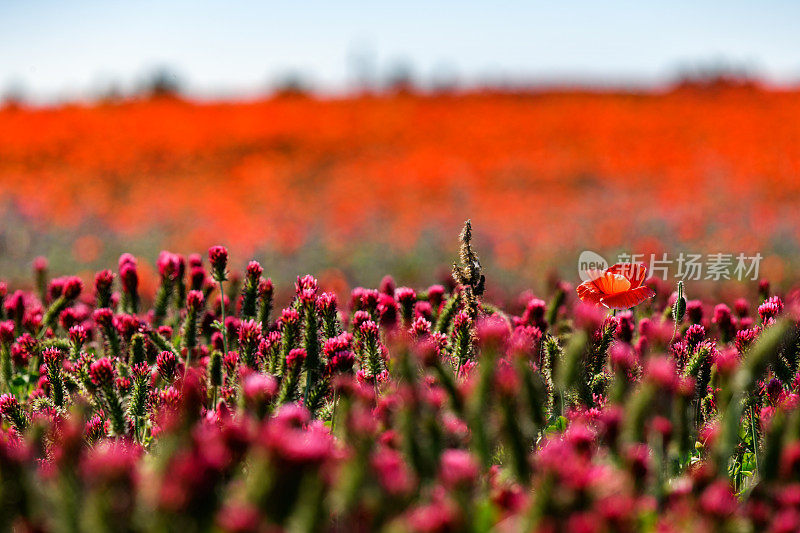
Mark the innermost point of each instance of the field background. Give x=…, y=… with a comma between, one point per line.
x=352, y=188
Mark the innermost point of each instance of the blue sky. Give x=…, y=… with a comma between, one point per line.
x=56, y=49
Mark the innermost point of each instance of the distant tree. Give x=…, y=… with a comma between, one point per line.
x=400, y=78
x=715, y=75
x=291, y=84
x=162, y=82
x=444, y=79
x=14, y=96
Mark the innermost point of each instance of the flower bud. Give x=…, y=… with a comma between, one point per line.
x=679, y=307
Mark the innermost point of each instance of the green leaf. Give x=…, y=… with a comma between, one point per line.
x=559, y=425
x=485, y=516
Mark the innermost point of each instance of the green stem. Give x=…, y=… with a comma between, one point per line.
x=755, y=442
x=224, y=328
x=333, y=410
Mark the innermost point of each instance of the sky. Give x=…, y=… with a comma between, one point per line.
x=52, y=50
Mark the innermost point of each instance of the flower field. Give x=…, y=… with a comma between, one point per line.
x=301, y=182
x=210, y=407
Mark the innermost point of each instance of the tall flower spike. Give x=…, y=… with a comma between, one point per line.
x=104, y=317
x=387, y=285
x=387, y=311
x=307, y=288
x=194, y=304
x=436, y=297
x=70, y=289
x=469, y=273
x=265, y=295
x=406, y=297
x=197, y=278
x=103, y=282
x=463, y=343
x=215, y=373
x=252, y=281
x=3, y=294
x=6, y=339
x=678, y=308
x=53, y=358
x=137, y=405
x=40, y=275
x=102, y=373
x=11, y=409
x=249, y=338
x=180, y=281
x=290, y=329
x=326, y=306
x=218, y=257
x=129, y=278
x=289, y=385
x=168, y=265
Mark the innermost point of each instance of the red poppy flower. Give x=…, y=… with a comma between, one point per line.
x=617, y=287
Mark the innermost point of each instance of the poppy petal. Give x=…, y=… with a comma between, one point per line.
x=633, y=272
x=628, y=299
x=610, y=283
x=588, y=293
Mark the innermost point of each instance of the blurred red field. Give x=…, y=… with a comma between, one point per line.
x=705, y=169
